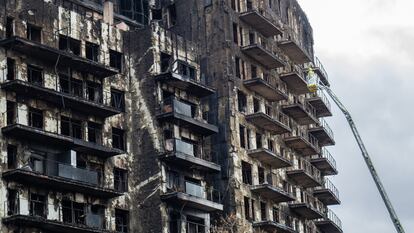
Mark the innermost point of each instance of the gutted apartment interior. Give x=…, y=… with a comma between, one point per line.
x=162, y=116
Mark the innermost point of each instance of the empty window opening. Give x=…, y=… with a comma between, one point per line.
x=233, y=4
x=12, y=202
x=73, y=212
x=261, y=174
x=253, y=210
x=241, y=101
x=118, y=99
x=166, y=60
x=9, y=27
x=259, y=143
x=118, y=138
x=115, y=59
x=235, y=34
x=247, y=173
x=11, y=112
x=195, y=225
x=156, y=14
x=11, y=69
x=241, y=36
x=34, y=33
x=37, y=163
x=270, y=145
x=249, y=5
x=253, y=71
x=249, y=139
x=242, y=136
x=275, y=212
x=237, y=64
x=252, y=38
x=256, y=105
x=186, y=71
x=92, y=51
x=69, y=44
x=34, y=75
x=121, y=221
x=135, y=9
x=36, y=118
x=247, y=208
x=71, y=127
x=94, y=132
x=172, y=15
x=263, y=211
x=37, y=205
x=120, y=180
x=268, y=110
x=11, y=156
x=94, y=92
x=174, y=223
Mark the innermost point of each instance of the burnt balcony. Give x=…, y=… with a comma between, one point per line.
x=304, y=174
x=302, y=142
x=281, y=222
x=269, y=157
x=188, y=155
x=260, y=23
x=293, y=48
x=321, y=72
x=192, y=195
x=301, y=111
x=59, y=176
x=330, y=223
x=188, y=84
x=182, y=114
x=327, y=193
x=320, y=103
x=295, y=80
x=269, y=90
x=271, y=192
x=274, y=122
x=307, y=206
x=323, y=133
x=325, y=162
x=53, y=56
x=88, y=103
x=263, y=55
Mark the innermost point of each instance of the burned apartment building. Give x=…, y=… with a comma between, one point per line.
x=162, y=116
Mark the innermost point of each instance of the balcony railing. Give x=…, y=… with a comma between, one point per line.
x=323, y=75
x=262, y=19
x=302, y=141
x=265, y=52
x=308, y=168
x=330, y=222
x=272, y=120
x=176, y=106
x=327, y=184
x=294, y=47
x=267, y=86
x=322, y=123
x=330, y=167
x=177, y=145
x=321, y=103
x=189, y=227
x=308, y=206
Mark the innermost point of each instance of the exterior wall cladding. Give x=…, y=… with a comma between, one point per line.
x=162, y=116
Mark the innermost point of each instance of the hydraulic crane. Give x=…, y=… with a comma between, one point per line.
x=365, y=155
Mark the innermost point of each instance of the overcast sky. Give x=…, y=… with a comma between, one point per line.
x=367, y=48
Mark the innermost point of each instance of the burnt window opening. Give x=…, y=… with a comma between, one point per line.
x=252, y=38
x=92, y=51
x=71, y=127
x=37, y=163
x=118, y=138
x=246, y=208
x=241, y=102
x=96, y=217
x=37, y=205
x=35, y=75
x=249, y=141
x=121, y=221
x=9, y=27
x=99, y=169
x=115, y=60
x=120, y=180
x=259, y=143
x=241, y=36
x=247, y=173
x=166, y=60
x=11, y=156
x=94, y=92
x=235, y=34
x=195, y=225
x=263, y=211
x=81, y=161
x=249, y=5
x=256, y=105
x=237, y=64
x=11, y=69
x=69, y=44
x=11, y=113
x=175, y=218
x=172, y=15
x=135, y=9
x=253, y=71
x=34, y=33
x=73, y=212
x=36, y=118
x=268, y=110
x=186, y=71
x=233, y=4
x=12, y=202
x=118, y=99
x=242, y=137
x=253, y=217
x=156, y=14
x=71, y=85
x=270, y=3
x=270, y=145
x=261, y=174
x=94, y=132
x=275, y=212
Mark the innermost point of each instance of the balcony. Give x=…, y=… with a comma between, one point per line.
x=272, y=92
x=281, y=222
x=302, y=112
x=182, y=114
x=61, y=177
x=269, y=157
x=325, y=162
x=302, y=142
x=51, y=56
x=188, y=156
x=295, y=80
x=327, y=193
x=190, y=85
x=321, y=72
x=323, y=133
x=307, y=206
x=260, y=23
x=320, y=102
x=271, y=192
x=193, y=196
x=304, y=174
x=291, y=46
x=275, y=123
x=330, y=223
x=98, y=107
x=263, y=55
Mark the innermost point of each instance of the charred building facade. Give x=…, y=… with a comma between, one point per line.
x=162, y=116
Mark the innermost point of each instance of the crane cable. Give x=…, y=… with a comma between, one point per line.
x=313, y=87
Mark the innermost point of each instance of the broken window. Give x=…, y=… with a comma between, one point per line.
x=11, y=156
x=249, y=5
x=261, y=174
x=252, y=38
x=37, y=163
x=242, y=137
x=118, y=138
x=186, y=70
x=121, y=221
x=94, y=92
x=76, y=87
x=120, y=180
x=37, y=205
x=36, y=118
x=247, y=208
x=12, y=202
x=172, y=15
x=11, y=68
x=263, y=211
x=270, y=145
x=92, y=51
x=237, y=64
x=253, y=72
x=195, y=225
x=174, y=222
x=256, y=105
x=118, y=99
x=94, y=132
x=71, y=127
x=135, y=9
x=115, y=59
x=253, y=210
x=241, y=101
x=34, y=33
x=259, y=143
x=11, y=112
x=9, y=27
x=69, y=45
x=275, y=211
x=247, y=173
x=165, y=62
x=73, y=212
x=34, y=75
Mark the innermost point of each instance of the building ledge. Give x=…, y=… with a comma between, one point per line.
x=271, y=192
x=193, y=124
x=326, y=196
x=294, y=51
x=185, y=200
x=306, y=210
x=303, y=178
x=189, y=162
x=265, y=89
x=187, y=84
x=269, y=157
x=323, y=135
x=301, y=145
x=324, y=165
x=263, y=56
x=295, y=82
x=266, y=122
x=51, y=55
x=321, y=108
x=260, y=23
x=302, y=115
x=272, y=226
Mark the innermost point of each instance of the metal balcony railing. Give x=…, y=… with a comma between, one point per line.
x=318, y=64
x=263, y=10
x=327, y=184
x=304, y=134
x=196, y=150
x=308, y=168
x=174, y=105
x=331, y=216
x=327, y=155
x=323, y=97
x=193, y=189
x=313, y=202
x=267, y=44
x=324, y=124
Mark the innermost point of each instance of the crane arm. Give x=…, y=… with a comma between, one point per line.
x=367, y=159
